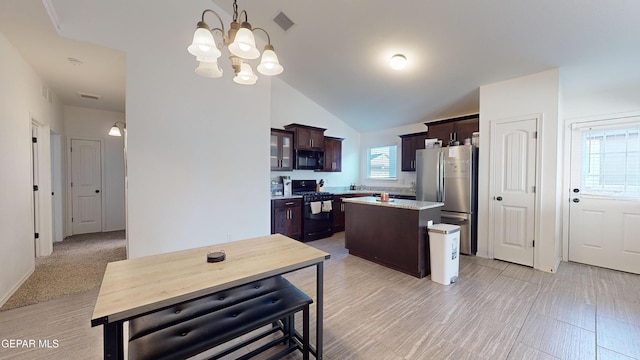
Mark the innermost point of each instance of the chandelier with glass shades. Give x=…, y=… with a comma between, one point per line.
x=242, y=48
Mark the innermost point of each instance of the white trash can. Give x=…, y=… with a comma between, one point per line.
x=444, y=253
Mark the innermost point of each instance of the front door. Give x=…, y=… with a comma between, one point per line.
x=86, y=186
x=513, y=153
x=604, y=210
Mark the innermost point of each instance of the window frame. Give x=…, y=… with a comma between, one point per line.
x=393, y=162
x=595, y=177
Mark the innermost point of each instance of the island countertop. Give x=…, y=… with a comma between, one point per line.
x=395, y=203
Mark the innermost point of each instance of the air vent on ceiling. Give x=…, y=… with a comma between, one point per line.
x=283, y=21
x=89, y=96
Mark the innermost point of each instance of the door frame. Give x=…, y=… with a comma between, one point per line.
x=43, y=246
x=70, y=190
x=566, y=185
x=57, y=181
x=539, y=117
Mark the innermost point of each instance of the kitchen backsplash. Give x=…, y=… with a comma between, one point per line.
x=277, y=188
x=389, y=189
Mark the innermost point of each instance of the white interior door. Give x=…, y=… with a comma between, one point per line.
x=604, y=212
x=513, y=155
x=86, y=186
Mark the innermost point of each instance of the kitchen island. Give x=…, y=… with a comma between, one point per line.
x=392, y=233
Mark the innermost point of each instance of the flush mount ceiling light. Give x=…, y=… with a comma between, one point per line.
x=398, y=62
x=241, y=45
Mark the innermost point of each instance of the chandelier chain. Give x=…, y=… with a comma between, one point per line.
x=235, y=10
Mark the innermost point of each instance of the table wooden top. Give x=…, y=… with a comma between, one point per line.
x=136, y=286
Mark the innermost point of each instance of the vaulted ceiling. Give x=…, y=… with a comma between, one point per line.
x=97, y=70
x=337, y=52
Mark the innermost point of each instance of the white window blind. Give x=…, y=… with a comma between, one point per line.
x=611, y=161
x=383, y=162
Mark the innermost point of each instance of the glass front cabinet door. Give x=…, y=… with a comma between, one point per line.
x=281, y=150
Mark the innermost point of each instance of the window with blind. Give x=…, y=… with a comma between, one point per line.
x=383, y=162
x=611, y=162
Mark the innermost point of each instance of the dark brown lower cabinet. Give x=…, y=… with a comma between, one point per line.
x=338, y=213
x=286, y=217
x=339, y=209
x=393, y=237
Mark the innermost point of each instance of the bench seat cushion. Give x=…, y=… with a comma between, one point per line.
x=201, y=333
x=189, y=310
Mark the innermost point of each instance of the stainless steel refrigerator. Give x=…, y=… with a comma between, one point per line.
x=450, y=175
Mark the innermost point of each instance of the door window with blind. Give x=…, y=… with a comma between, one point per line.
x=382, y=162
x=611, y=161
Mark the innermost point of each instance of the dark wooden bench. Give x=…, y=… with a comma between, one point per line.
x=191, y=328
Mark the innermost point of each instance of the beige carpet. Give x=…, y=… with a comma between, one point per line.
x=76, y=265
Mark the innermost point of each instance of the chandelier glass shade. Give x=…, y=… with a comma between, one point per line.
x=245, y=76
x=208, y=69
x=244, y=45
x=270, y=64
x=241, y=45
x=203, y=44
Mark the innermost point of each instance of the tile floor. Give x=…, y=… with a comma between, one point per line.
x=496, y=310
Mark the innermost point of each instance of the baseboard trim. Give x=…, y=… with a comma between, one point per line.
x=15, y=288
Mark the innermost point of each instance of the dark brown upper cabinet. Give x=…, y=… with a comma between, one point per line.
x=411, y=143
x=332, y=154
x=459, y=128
x=307, y=137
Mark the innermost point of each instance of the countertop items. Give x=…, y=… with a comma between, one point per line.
x=396, y=203
x=347, y=192
x=370, y=192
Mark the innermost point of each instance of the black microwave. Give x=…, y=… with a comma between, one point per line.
x=309, y=160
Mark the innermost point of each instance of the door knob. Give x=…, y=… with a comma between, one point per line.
x=499, y=198
x=576, y=200
x=97, y=191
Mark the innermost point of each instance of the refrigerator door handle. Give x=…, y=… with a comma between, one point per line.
x=441, y=169
x=438, y=196
x=459, y=217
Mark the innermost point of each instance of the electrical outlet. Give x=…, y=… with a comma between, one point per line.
x=429, y=223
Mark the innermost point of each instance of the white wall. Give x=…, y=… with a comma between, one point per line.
x=605, y=102
x=528, y=95
x=288, y=106
x=20, y=101
x=197, y=148
x=83, y=123
x=391, y=137
x=388, y=137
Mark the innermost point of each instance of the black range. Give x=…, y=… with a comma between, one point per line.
x=317, y=210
